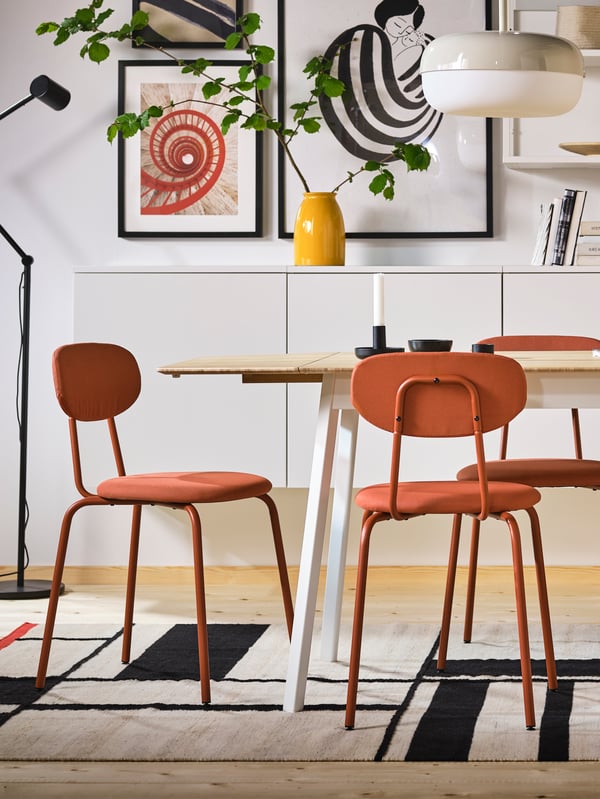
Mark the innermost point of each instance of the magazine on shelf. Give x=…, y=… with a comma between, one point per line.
x=574, y=227
x=564, y=222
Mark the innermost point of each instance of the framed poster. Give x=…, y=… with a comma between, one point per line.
x=376, y=48
x=189, y=23
x=181, y=176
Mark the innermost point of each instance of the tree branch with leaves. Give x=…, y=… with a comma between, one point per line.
x=244, y=100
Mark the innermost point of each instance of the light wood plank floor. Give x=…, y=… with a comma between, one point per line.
x=250, y=595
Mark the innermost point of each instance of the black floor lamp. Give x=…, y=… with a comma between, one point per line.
x=56, y=97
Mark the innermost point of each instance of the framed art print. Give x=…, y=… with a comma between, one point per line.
x=189, y=23
x=375, y=47
x=182, y=176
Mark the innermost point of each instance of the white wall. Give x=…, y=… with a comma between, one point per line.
x=58, y=201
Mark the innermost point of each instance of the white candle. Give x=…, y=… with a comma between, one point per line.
x=378, y=317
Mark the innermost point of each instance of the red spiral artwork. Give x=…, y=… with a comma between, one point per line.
x=182, y=159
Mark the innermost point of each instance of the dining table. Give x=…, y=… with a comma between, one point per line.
x=554, y=380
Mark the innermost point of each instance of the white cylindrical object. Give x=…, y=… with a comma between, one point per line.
x=378, y=308
x=502, y=74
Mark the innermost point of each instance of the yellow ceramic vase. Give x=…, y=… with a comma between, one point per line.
x=319, y=234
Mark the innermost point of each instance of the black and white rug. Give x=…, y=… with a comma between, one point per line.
x=96, y=708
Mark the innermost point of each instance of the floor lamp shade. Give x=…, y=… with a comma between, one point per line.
x=502, y=74
x=50, y=92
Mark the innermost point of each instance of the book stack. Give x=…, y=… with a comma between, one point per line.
x=559, y=229
x=587, y=252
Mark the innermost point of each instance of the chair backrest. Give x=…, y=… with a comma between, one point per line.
x=438, y=395
x=548, y=343
x=433, y=389
x=95, y=382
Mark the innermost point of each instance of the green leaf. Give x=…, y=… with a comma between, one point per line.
x=111, y=132
x=333, y=87
x=98, y=52
x=371, y=166
x=244, y=72
x=263, y=82
x=232, y=41
x=263, y=54
x=197, y=67
x=101, y=18
x=388, y=193
x=416, y=156
x=311, y=125
x=235, y=100
x=46, y=27
x=211, y=89
x=313, y=67
x=139, y=20
x=378, y=184
x=155, y=111
x=229, y=120
x=61, y=36
x=255, y=122
x=84, y=16
x=249, y=23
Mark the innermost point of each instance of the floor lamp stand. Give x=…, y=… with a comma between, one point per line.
x=21, y=588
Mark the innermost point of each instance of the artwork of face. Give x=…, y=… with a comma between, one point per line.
x=384, y=100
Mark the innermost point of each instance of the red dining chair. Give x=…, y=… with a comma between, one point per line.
x=442, y=395
x=96, y=382
x=574, y=472
x=544, y=343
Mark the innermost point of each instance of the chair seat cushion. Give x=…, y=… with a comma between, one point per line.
x=540, y=472
x=185, y=487
x=449, y=496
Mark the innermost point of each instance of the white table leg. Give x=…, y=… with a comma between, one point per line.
x=338, y=537
x=312, y=549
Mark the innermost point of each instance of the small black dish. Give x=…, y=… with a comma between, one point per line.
x=365, y=352
x=482, y=348
x=430, y=345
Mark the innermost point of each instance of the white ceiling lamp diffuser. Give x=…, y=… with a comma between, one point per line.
x=502, y=73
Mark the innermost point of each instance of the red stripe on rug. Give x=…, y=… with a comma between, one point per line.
x=18, y=633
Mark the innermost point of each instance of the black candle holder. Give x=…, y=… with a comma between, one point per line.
x=379, y=344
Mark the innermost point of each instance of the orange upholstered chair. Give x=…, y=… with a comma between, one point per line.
x=442, y=395
x=96, y=382
x=574, y=472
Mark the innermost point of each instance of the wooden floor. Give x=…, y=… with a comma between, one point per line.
x=249, y=595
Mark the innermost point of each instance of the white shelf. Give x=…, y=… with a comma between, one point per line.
x=534, y=143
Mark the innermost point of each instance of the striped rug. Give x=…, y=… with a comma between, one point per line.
x=96, y=708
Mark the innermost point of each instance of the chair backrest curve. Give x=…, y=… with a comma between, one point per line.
x=550, y=343
x=438, y=409
x=95, y=381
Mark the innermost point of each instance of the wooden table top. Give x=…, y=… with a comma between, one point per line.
x=307, y=367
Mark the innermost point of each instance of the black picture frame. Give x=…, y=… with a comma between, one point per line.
x=181, y=177
x=454, y=198
x=188, y=23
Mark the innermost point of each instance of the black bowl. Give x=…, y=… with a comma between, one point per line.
x=429, y=345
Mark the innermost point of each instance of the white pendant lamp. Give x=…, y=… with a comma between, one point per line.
x=502, y=73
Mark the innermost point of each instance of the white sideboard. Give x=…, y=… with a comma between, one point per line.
x=164, y=317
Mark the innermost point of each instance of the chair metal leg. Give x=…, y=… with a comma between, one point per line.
x=521, y=605
x=369, y=520
x=203, y=658
x=542, y=587
x=576, y=433
x=284, y=580
x=449, y=594
x=134, y=545
x=471, y=581
x=59, y=565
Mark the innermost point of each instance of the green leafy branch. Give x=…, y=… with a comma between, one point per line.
x=243, y=99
